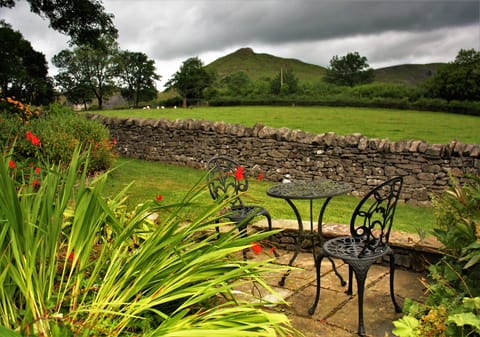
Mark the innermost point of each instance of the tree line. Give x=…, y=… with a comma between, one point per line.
x=95, y=67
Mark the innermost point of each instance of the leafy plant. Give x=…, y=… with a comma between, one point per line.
x=453, y=305
x=62, y=275
x=60, y=131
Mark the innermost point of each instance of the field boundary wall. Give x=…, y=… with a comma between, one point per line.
x=283, y=154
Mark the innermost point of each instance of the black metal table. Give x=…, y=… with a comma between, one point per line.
x=309, y=190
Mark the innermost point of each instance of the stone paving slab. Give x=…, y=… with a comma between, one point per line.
x=337, y=312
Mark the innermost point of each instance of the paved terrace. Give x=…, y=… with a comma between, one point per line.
x=337, y=313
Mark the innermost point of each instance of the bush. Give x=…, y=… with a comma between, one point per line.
x=60, y=131
x=453, y=305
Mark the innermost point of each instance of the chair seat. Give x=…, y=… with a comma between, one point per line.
x=238, y=213
x=350, y=248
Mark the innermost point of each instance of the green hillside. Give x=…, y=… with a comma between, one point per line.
x=261, y=66
x=406, y=73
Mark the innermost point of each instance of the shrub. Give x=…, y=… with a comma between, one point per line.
x=453, y=305
x=60, y=131
x=72, y=264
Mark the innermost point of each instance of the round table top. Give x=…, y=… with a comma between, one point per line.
x=311, y=189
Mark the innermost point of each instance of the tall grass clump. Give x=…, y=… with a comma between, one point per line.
x=73, y=263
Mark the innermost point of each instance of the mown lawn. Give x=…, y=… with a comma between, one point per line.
x=172, y=182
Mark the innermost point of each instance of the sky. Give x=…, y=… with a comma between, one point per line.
x=386, y=32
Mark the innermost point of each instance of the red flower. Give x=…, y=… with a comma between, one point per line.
x=37, y=170
x=114, y=141
x=257, y=249
x=260, y=176
x=239, y=173
x=33, y=138
x=12, y=164
x=35, y=182
x=71, y=256
x=159, y=197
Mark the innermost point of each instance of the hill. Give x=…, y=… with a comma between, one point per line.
x=260, y=66
x=406, y=73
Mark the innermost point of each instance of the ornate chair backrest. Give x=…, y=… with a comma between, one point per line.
x=373, y=217
x=226, y=179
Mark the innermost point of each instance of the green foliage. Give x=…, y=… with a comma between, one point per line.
x=63, y=275
x=59, y=132
x=191, y=80
x=23, y=71
x=84, y=21
x=285, y=83
x=85, y=72
x=351, y=69
x=137, y=76
x=453, y=305
x=458, y=80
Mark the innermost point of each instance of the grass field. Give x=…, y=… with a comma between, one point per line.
x=433, y=127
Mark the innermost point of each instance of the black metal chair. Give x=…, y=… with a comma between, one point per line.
x=227, y=179
x=370, y=227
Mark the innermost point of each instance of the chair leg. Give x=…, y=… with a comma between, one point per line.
x=318, y=265
x=350, y=283
x=360, y=271
x=398, y=309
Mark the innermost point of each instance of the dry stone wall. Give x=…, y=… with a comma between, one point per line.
x=282, y=153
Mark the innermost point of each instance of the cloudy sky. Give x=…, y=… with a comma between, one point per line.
x=387, y=32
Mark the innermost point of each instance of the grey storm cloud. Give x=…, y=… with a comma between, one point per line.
x=214, y=24
x=387, y=32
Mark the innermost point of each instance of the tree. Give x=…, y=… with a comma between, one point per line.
x=237, y=84
x=190, y=80
x=458, y=80
x=83, y=20
x=136, y=74
x=87, y=67
x=350, y=70
x=23, y=71
x=285, y=83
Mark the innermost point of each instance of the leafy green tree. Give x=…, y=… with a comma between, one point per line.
x=136, y=74
x=458, y=80
x=87, y=67
x=349, y=70
x=23, y=71
x=237, y=83
x=85, y=21
x=190, y=80
x=285, y=83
